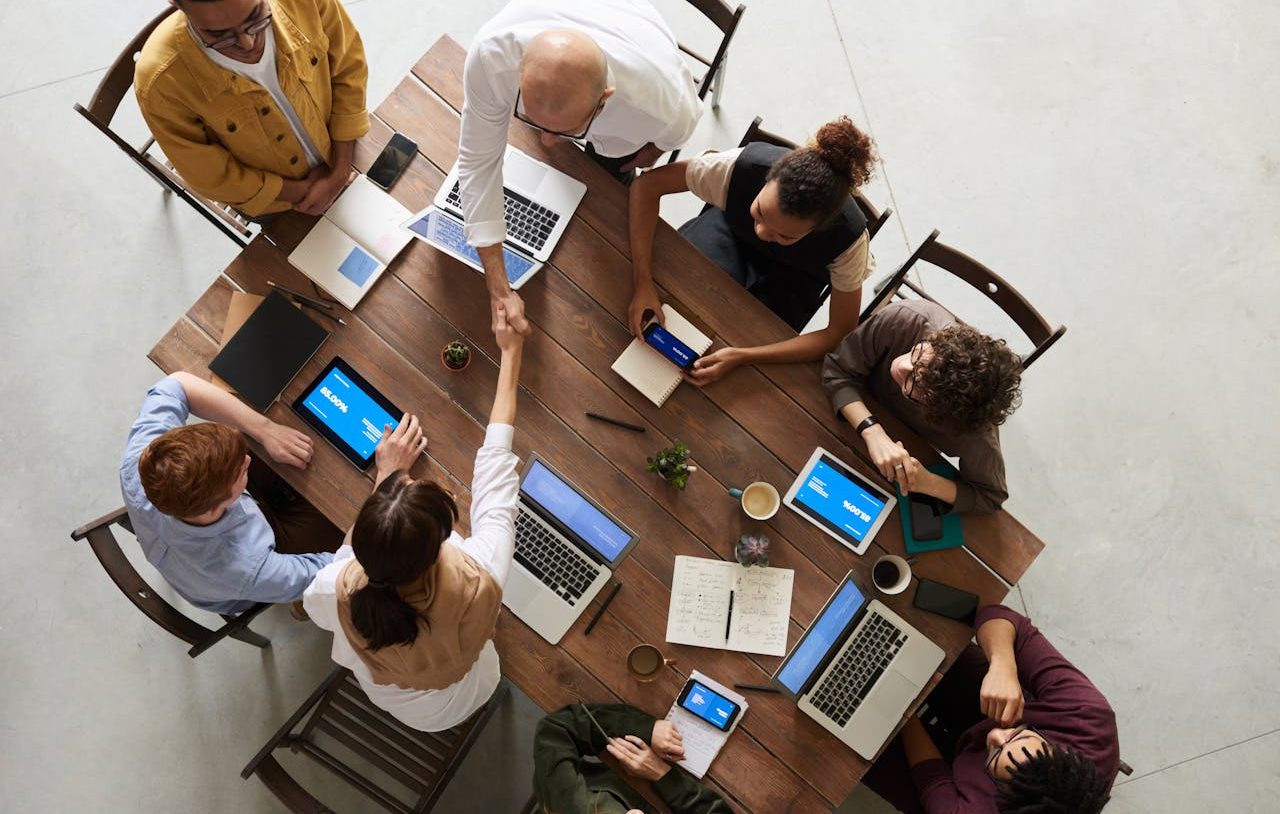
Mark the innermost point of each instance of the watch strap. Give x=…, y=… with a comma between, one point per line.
x=869, y=421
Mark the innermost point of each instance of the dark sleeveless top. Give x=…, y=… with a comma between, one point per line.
x=790, y=280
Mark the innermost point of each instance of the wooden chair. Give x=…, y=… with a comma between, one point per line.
x=874, y=219
x=421, y=763
x=726, y=18
x=102, y=110
x=145, y=599
x=984, y=280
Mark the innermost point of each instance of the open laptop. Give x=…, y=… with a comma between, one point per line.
x=538, y=203
x=857, y=669
x=567, y=547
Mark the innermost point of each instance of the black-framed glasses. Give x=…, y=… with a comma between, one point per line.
x=249, y=29
x=1017, y=734
x=578, y=137
x=917, y=353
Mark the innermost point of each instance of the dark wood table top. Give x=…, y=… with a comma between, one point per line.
x=756, y=424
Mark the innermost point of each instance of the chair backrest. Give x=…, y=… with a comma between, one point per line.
x=724, y=17
x=103, y=542
x=347, y=734
x=875, y=219
x=101, y=111
x=982, y=279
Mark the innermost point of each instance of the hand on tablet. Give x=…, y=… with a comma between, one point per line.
x=286, y=445
x=400, y=448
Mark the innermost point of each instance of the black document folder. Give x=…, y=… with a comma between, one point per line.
x=268, y=351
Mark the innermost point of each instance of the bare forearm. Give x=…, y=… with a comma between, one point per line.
x=214, y=404
x=996, y=637
x=804, y=348
x=495, y=272
x=930, y=483
x=341, y=156
x=917, y=743
x=642, y=219
x=292, y=191
x=504, y=400
x=855, y=412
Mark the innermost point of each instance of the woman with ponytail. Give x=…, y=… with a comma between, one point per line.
x=782, y=223
x=411, y=603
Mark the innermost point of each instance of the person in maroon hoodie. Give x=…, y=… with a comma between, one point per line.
x=1032, y=733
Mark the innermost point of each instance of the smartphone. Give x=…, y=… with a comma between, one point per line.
x=944, y=600
x=391, y=162
x=661, y=340
x=926, y=517
x=708, y=705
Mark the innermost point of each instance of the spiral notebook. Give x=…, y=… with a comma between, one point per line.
x=702, y=741
x=649, y=371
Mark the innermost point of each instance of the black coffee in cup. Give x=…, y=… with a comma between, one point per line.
x=886, y=574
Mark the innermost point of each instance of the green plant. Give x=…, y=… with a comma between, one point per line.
x=672, y=464
x=752, y=549
x=456, y=355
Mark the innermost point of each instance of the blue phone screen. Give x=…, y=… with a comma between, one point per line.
x=661, y=340
x=709, y=705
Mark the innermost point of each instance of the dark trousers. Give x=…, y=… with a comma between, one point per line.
x=614, y=165
x=299, y=527
x=952, y=708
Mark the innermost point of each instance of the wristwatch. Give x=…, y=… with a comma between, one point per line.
x=869, y=421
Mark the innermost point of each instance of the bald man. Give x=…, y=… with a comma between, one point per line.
x=604, y=72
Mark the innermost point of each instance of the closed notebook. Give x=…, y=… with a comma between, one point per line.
x=268, y=351
x=952, y=527
x=652, y=373
x=348, y=249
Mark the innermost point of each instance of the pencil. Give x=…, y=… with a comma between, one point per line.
x=615, y=422
x=756, y=687
x=617, y=586
x=302, y=298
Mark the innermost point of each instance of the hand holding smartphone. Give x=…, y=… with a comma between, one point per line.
x=664, y=342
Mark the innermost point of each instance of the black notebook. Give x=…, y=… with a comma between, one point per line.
x=268, y=351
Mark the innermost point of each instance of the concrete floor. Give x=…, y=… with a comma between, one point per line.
x=1119, y=167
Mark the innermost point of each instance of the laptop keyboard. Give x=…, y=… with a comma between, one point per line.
x=557, y=564
x=527, y=222
x=857, y=669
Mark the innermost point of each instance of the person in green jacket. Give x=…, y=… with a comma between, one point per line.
x=568, y=779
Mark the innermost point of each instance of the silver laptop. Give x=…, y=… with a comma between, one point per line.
x=857, y=669
x=567, y=547
x=538, y=203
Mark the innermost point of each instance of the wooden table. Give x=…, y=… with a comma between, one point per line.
x=756, y=424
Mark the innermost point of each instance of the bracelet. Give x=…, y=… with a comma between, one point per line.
x=869, y=421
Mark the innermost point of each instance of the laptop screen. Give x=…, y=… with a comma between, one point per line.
x=450, y=235
x=839, y=500
x=592, y=526
x=821, y=637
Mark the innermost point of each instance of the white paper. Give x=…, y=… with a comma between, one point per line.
x=649, y=371
x=702, y=741
x=371, y=218
x=699, y=610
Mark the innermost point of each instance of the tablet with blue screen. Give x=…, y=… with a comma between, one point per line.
x=831, y=495
x=347, y=411
x=446, y=233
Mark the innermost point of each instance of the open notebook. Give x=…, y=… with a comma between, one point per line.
x=702, y=741
x=348, y=249
x=728, y=606
x=649, y=371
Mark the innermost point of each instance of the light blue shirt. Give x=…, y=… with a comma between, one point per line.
x=224, y=567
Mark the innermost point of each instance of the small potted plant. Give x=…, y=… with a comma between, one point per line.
x=456, y=356
x=672, y=465
x=752, y=549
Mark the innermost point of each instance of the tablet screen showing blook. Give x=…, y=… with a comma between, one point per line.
x=838, y=500
x=347, y=411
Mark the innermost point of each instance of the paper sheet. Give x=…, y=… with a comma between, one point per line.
x=699, y=610
x=371, y=218
x=702, y=741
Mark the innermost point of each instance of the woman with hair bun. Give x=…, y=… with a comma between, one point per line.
x=783, y=223
x=411, y=603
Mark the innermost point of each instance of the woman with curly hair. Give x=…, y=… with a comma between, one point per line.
x=950, y=383
x=781, y=222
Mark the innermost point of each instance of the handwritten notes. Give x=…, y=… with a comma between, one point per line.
x=700, y=615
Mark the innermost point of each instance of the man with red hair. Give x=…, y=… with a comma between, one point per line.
x=185, y=489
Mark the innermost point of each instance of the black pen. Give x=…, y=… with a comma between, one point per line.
x=615, y=422
x=302, y=298
x=756, y=687
x=728, y=620
x=617, y=586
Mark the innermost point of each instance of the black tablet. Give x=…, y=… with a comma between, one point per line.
x=347, y=411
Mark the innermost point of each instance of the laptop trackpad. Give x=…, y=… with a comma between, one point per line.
x=521, y=174
x=893, y=693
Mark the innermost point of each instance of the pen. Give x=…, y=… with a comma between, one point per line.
x=728, y=620
x=615, y=422
x=756, y=687
x=617, y=586
x=302, y=298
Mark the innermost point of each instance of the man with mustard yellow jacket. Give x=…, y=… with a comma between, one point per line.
x=257, y=103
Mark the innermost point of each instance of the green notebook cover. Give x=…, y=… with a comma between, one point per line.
x=952, y=533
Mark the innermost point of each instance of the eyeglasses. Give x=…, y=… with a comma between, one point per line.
x=578, y=137
x=249, y=29
x=1017, y=734
x=917, y=353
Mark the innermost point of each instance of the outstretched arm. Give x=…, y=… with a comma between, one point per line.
x=642, y=218
x=284, y=444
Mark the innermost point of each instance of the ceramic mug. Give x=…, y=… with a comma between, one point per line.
x=891, y=574
x=759, y=500
x=645, y=661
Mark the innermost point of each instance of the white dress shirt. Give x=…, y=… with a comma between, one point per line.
x=495, y=491
x=655, y=99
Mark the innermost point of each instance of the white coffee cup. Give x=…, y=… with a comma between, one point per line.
x=901, y=572
x=759, y=500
